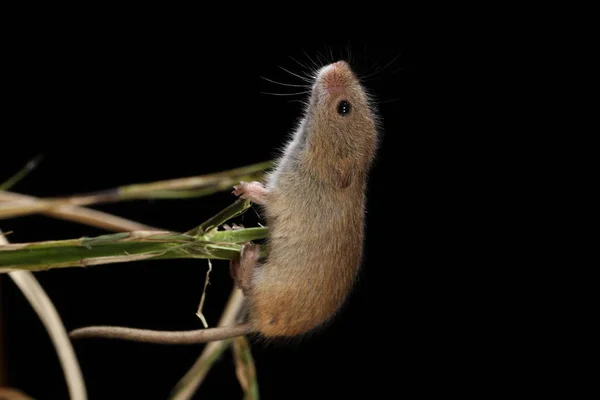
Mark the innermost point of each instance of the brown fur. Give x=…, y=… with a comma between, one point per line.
x=315, y=211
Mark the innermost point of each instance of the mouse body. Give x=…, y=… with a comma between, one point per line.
x=314, y=203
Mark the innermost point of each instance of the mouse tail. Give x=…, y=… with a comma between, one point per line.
x=162, y=337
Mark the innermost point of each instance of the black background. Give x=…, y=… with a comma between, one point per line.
x=112, y=112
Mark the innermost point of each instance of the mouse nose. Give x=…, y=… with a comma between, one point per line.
x=334, y=78
x=340, y=64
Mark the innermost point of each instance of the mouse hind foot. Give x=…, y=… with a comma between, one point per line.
x=242, y=270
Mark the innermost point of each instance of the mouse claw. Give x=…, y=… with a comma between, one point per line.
x=233, y=227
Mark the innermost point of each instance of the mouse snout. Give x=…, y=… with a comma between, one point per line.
x=341, y=64
x=335, y=78
x=335, y=70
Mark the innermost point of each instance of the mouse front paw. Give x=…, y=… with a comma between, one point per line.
x=254, y=191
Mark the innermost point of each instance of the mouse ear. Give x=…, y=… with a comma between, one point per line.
x=344, y=173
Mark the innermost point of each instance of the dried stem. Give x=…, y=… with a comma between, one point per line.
x=81, y=215
x=47, y=313
x=170, y=189
x=244, y=368
x=192, y=380
x=188, y=385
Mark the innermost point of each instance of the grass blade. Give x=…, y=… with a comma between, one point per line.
x=237, y=208
x=122, y=247
x=133, y=246
x=108, y=249
x=13, y=180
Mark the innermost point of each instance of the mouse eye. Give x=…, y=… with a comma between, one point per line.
x=343, y=108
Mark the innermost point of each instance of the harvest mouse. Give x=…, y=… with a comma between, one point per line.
x=314, y=205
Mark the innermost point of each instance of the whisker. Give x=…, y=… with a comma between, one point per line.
x=386, y=66
x=286, y=94
x=305, y=79
x=349, y=52
x=374, y=66
x=319, y=59
x=397, y=70
x=284, y=84
x=311, y=72
x=296, y=101
x=390, y=101
x=379, y=77
x=311, y=60
x=299, y=63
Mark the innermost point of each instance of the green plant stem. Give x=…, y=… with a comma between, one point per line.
x=237, y=208
x=121, y=247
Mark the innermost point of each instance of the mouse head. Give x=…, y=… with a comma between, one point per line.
x=340, y=115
